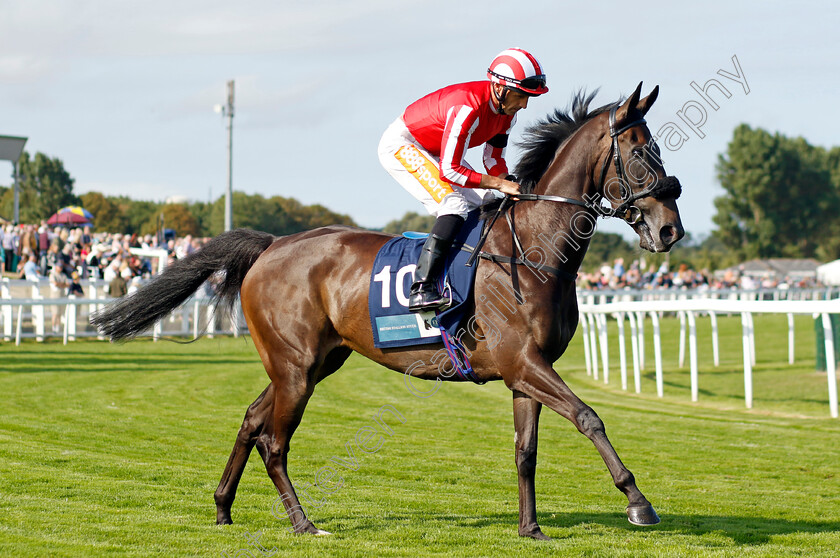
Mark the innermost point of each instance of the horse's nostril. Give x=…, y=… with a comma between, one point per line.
x=668, y=235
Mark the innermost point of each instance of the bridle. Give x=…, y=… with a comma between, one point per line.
x=625, y=210
x=668, y=187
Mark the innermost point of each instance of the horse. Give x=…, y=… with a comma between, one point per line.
x=304, y=296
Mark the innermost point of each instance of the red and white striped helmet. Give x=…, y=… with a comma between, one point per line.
x=518, y=69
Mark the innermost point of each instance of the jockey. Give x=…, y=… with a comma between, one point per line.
x=424, y=151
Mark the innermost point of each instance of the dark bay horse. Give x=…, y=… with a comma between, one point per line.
x=304, y=296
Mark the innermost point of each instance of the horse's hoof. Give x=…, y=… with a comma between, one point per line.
x=312, y=530
x=535, y=534
x=642, y=515
x=321, y=533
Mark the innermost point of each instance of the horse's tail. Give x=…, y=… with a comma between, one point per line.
x=232, y=252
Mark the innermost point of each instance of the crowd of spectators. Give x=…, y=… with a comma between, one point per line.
x=67, y=254
x=639, y=276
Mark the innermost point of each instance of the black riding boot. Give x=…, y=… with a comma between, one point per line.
x=424, y=294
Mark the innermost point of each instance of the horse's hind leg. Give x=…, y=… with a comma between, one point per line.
x=252, y=426
x=293, y=388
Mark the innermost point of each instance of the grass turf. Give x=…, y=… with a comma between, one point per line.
x=115, y=450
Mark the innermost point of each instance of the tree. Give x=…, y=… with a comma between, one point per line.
x=249, y=211
x=778, y=195
x=49, y=179
x=135, y=213
x=306, y=217
x=106, y=213
x=174, y=216
x=45, y=187
x=314, y=216
x=203, y=213
x=411, y=221
x=829, y=248
x=833, y=159
x=30, y=205
x=276, y=215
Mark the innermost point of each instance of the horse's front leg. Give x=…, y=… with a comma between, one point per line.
x=534, y=377
x=526, y=417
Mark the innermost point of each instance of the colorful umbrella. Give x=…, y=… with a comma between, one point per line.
x=72, y=214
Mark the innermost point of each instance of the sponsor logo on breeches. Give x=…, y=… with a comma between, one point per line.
x=424, y=170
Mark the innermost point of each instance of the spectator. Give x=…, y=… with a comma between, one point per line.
x=29, y=270
x=681, y=279
x=729, y=278
x=113, y=269
x=135, y=266
x=117, y=287
x=94, y=262
x=9, y=248
x=633, y=278
x=53, y=256
x=86, y=239
x=75, y=288
x=747, y=282
x=126, y=271
x=43, y=247
x=606, y=273
x=58, y=286
x=66, y=259
x=184, y=248
x=73, y=237
x=663, y=281
x=63, y=237
x=134, y=284
x=618, y=268
x=28, y=242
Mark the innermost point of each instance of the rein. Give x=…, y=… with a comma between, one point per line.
x=670, y=186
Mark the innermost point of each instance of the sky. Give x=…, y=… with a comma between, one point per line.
x=123, y=91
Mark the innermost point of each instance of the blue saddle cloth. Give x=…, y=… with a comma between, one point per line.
x=393, y=272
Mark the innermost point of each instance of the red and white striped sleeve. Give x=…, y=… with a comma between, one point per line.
x=461, y=122
x=494, y=153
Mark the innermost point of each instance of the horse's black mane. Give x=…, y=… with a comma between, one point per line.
x=541, y=140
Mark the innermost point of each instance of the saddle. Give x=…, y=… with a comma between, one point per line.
x=393, y=272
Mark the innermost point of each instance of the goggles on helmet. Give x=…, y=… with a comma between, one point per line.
x=533, y=83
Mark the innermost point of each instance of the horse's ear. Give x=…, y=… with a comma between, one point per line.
x=630, y=103
x=645, y=104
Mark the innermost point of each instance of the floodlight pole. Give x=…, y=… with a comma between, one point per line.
x=17, y=192
x=11, y=148
x=229, y=191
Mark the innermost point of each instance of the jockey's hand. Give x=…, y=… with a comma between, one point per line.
x=496, y=183
x=509, y=188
